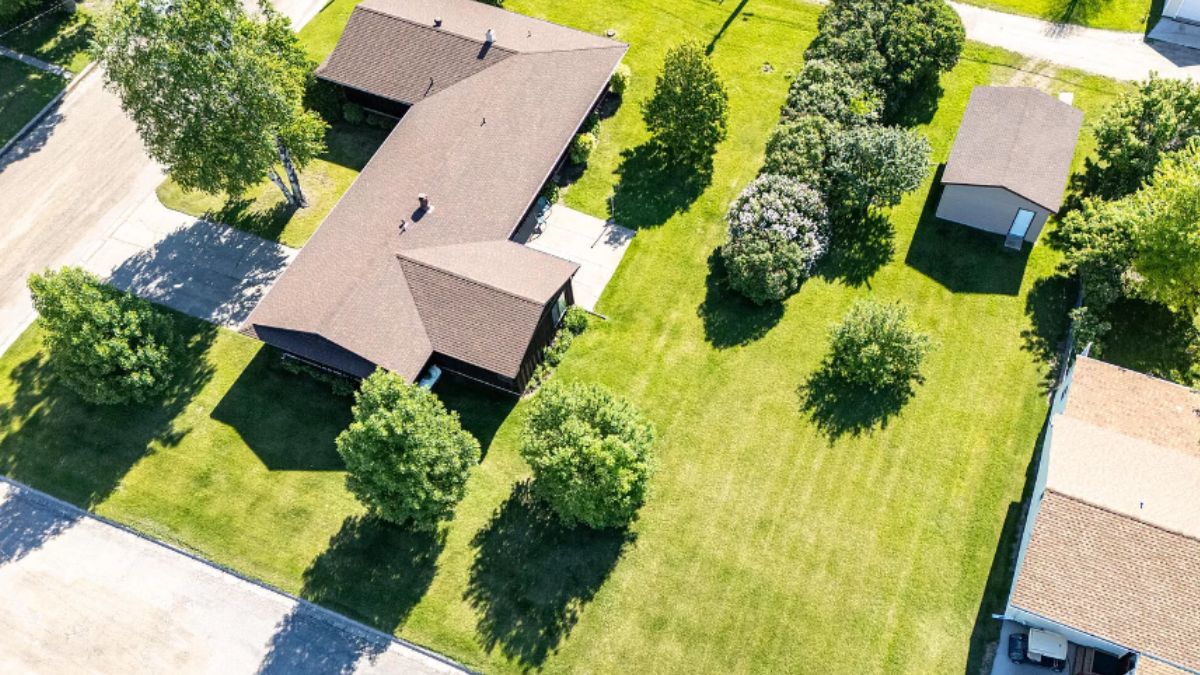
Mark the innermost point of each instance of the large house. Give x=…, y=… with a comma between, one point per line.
x=1108, y=571
x=1010, y=163
x=416, y=267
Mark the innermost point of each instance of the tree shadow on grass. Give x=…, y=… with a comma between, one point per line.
x=289, y=420
x=729, y=319
x=840, y=409
x=77, y=451
x=246, y=216
x=532, y=577
x=859, y=247
x=374, y=571
x=918, y=105
x=655, y=186
x=1149, y=338
x=480, y=409
x=1048, y=307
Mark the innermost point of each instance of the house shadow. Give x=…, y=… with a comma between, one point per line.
x=532, y=577
x=655, y=186
x=374, y=572
x=305, y=642
x=289, y=420
x=480, y=409
x=1179, y=55
x=838, y=408
x=985, y=635
x=33, y=141
x=28, y=521
x=78, y=451
x=961, y=258
x=729, y=319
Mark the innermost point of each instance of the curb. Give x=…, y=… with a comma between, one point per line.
x=54, y=102
x=340, y=622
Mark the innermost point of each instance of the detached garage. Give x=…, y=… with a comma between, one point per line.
x=1010, y=163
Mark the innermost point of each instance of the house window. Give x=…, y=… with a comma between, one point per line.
x=559, y=308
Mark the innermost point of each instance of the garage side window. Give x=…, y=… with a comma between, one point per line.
x=559, y=308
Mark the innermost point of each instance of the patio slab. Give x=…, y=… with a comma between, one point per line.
x=595, y=245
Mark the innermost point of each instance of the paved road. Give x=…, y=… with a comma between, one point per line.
x=83, y=596
x=1123, y=56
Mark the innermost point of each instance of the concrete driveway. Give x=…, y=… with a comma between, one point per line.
x=83, y=596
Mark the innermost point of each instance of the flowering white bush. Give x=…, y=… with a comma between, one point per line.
x=784, y=205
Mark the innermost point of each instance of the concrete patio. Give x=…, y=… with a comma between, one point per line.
x=595, y=245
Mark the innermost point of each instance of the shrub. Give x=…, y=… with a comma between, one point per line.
x=574, y=322
x=877, y=166
x=591, y=454
x=107, y=345
x=11, y=11
x=620, y=80
x=325, y=98
x=688, y=113
x=407, y=457
x=797, y=150
x=582, y=147
x=764, y=266
x=876, y=348
x=784, y=205
x=354, y=113
x=830, y=91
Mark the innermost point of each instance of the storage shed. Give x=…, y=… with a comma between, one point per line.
x=1010, y=163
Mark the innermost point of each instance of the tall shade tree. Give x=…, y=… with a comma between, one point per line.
x=1166, y=232
x=217, y=94
x=407, y=457
x=107, y=345
x=688, y=113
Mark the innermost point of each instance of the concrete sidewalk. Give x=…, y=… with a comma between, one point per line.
x=81, y=595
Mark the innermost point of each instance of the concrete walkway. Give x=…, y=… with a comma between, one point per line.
x=35, y=63
x=1123, y=56
x=81, y=595
x=596, y=246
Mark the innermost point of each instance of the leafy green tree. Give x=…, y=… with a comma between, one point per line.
x=798, y=149
x=107, y=345
x=1166, y=232
x=407, y=457
x=831, y=91
x=877, y=348
x=877, y=166
x=1131, y=137
x=12, y=11
x=591, y=453
x=689, y=111
x=217, y=94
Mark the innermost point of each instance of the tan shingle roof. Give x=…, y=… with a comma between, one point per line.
x=481, y=144
x=1149, y=666
x=1115, y=577
x=1017, y=138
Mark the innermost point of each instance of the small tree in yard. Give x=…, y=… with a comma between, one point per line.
x=798, y=149
x=217, y=95
x=778, y=229
x=829, y=90
x=876, y=166
x=407, y=457
x=876, y=348
x=591, y=454
x=689, y=110
x=107, y=345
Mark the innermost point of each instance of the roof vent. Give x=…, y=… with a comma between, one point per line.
x=490, y=36
x=424, y=200
x=437, y=22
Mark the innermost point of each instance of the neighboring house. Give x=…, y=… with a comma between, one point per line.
x=1182, y=10
x=415, y=266
x=1109, y=561
x=1010, y=163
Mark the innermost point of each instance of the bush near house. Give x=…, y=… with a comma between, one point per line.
x=591, y=453
x=407, y=457
x=107, y=345
x=620, y=80
x=582, y=147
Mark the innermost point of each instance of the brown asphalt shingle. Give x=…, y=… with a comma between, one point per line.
x=1016, y=138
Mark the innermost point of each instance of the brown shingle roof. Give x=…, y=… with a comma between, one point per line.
x=1017, y=138
x=481, y=145
x=1114, y=577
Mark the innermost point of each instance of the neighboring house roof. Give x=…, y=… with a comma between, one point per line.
x=481, y=142
x=1016, y=138
x=1115, y=547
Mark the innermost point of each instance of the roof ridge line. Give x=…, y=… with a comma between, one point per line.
x=400, y=255
x=438, y=29
x=1088, y=502
x=616, y=43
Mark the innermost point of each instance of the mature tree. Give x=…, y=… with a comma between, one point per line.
x=877, y=166
x=407, y=457
x=1160, y=117
x=899, y=46
x=832, y=91
x=798, y=149
x=1166, y=216
x=689, y=110
x=217, y=94
x=591, y=453
x=107, y=345
x=877, y=348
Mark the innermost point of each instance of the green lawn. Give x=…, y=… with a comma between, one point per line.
x=58, y=38
x=24, y=91
x=771, y=542
x=1128, y=15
